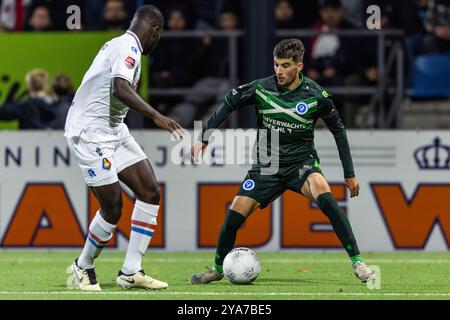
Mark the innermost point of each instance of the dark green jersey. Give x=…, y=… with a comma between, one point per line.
x=292, y=114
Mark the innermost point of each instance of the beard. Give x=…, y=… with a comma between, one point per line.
x=285, y=83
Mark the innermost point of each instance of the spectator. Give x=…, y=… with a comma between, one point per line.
x=59, y=15
x=166, y=6
x=409, y=15
x=177, y=19
x=285, y=15
x=437, y=23
x=115, y=16
x=62, y=94
x=40, y=19
x=12, y=15
x=92, y=11
x=395, y=14
x=406, y=14
x=228, y=20
x=205, y=13
x=32, y=112
x=426, y=24
x=330, y=53
x=354, y=12
x=214, y=72
x=174, y=61
x=364, y=68
x=306, y=14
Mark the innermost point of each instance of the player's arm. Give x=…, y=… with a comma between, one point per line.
x=234, y=99
x=124, y=63
x=122, y=90
x=329, y=114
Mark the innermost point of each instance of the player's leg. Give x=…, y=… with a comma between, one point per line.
x=240, y=209
x=257, y=191
x=97, y=164
x=136, y=172
x=101, y=231
x=316, y=189
x=104, y=223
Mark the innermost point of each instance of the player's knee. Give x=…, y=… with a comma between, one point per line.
x=243, y=207
x=318, y=184
x=113, y=209
x=151, y=194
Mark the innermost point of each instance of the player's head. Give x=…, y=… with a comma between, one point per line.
x=148, y=24
x=288, y=61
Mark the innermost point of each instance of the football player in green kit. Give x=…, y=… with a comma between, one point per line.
x=288, y=105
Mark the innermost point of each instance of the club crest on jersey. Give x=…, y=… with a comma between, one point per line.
x=106, y=164
x=248, y=185
x=301, y=108
x=130, y=62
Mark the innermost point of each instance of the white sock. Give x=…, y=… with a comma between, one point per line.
x=143, y=224
x=100, y=232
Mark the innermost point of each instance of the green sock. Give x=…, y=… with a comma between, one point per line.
x=218, y=268
x=356, y=259
x=338, y=219
x=227, y=237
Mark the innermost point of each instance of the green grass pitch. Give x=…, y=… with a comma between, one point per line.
x=40, y=274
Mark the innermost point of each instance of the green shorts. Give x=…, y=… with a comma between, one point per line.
x=263, y=186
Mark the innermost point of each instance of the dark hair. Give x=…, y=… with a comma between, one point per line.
x=289, y=48
x=62, y=85
x=150, y=13
x=335, y=4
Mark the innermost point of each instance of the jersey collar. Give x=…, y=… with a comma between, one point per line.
x=131, y=33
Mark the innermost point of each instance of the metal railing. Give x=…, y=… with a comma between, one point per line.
x=386, y=116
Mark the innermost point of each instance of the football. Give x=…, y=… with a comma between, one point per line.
x=241, y=266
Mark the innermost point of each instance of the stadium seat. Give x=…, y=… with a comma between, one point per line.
x=432, y=76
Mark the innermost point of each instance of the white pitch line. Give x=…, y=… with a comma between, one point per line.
x=281, y=260
x=427, y=294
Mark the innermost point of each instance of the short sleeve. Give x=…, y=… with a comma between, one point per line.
x=124, y=64
x=240, y=96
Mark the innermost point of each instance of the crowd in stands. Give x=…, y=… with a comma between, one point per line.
x=42, y=108
x=203, y=63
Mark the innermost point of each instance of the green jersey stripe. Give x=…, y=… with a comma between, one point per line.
x=279, y=109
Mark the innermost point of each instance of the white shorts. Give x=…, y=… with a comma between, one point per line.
x=101, y=161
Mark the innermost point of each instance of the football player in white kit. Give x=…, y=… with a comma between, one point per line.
x=107, y=153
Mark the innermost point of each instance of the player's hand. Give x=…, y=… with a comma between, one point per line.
x=353, y=185
x=170, y=125
x=197, y=150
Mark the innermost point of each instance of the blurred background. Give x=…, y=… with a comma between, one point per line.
x=391, y=86
x=394, y=77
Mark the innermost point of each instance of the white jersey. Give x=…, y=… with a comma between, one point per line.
x=94, y=108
